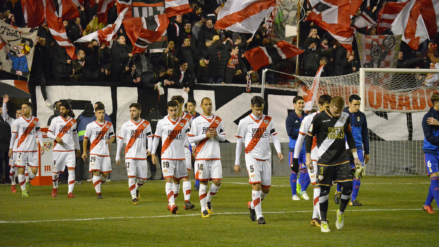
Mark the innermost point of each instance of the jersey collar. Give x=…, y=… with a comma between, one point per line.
x=26, y=119
x=100, y=125
x=136, y=123
x=257, y=121
x=65, y=120
x=173, y=122
x=208, y=120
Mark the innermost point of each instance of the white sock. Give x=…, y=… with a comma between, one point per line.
x=187, y=191
x=132, y=186
x=26, y=174
x=71, y=180
x=212, y=191
x=12, y=175
x=55, y=178
x=256, y=203
x=170, y=193
x=22, y=182
x=97, y=184
x=203, y=195
x=316, y=208
x=175, y=189
x=31, y=175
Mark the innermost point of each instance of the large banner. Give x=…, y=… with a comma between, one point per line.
x=378, y=51
x=17, y=47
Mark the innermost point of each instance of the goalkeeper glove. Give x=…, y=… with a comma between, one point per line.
x=359, y=170
x=295, y=166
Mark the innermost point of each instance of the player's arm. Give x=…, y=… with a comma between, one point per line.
x=240, y=135
x=289, y=124
x=276, y=142
x=221, y=136
x=51, y=131
x=428, y=133
x=40, y=137
x=299, y=143
x=365, y=138
x=13, y=137
x=85, y=142
x=193, y=135
x=76, y=140
x=120, y=138
x=351, y=142
x=313, y=130
x=5, y=114
x=149, y=137
x=156, y=142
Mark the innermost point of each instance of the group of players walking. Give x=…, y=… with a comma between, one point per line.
x=335, y=138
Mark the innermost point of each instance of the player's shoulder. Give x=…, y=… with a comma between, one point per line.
x=218, y=118
x=245, y=120
x=146, y=122
x=268, y=118
x=36, y=119
x=127, y=123
x=344, y=115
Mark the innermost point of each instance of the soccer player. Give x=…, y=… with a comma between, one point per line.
x=101, y=134
x=293, y=122
x=361, y=136
x=25, y=132
x=430, y=125
x=207, y=131
x=173, y=131
x=63, y=130
x=13, y=158
x=255, y=131
x=332, y=127
x=324, y=102
x=191, y=105
x=136, y=132
x=188, y=157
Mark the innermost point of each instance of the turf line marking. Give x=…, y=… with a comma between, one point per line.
x=361, y=183
x=193, y=215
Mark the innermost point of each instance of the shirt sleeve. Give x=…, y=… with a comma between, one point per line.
x=194, y=131
x=158, y=130
x=88, y=132
x=241, y=130
x=122, y=132
x=111, y=131
x=272, y=129
x=221, y=132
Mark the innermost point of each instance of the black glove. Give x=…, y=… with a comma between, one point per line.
x=295, y=166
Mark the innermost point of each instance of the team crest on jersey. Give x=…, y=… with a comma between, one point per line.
x=144, y=125
x=358, y=118
x=108, y=126
x=165, y=170
x=35, y=122
x=216, y=121
x=92, y=164
x=266, y=121
x=320, y=177
x=181, y=124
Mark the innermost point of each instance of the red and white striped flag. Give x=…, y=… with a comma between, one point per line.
x=103, y=8
x=311, y=97
x=410, y=24
x=105, y=35
x=261, y=56
x=123, y=4
x=33, y=11
x=388, y=14
x=244, y=16
x=364, y=20
x=430, y=13
x=56, y=28
x=177, y=7
x=143, y=31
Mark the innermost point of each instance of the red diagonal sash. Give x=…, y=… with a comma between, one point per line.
x=261, y=130
x=64, y=130
x=101, y=135
x=142, y=126
x=27, y=131
x=215, y=122
x=175, y=132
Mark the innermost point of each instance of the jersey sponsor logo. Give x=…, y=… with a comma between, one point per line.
x=175, y=134
x=259, y=132
x=139, y=133
x=325, y=121
x=335, y=133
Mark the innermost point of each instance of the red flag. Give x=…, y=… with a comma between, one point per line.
x=177, y=7
x=69, y=9
x=430, y=13
x=311, y=97
x=261, y=56
x=103, y=7
x=33, y=11
x=388, y=14
x=123, y=4
x=143, y=31
x=56, y=28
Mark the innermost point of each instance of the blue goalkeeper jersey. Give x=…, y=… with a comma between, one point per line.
x=431, y=133
x=359, y=130
x=292, y=124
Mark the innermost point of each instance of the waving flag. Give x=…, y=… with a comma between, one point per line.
x=33, y=11
x=364, y=20
x=105, y=35
x=244, y=16
x=261, y=56
x=177, y=7
x=103, y=8
x=311, y=98
x=388, y=14
x=430, y=13
x=143, y=31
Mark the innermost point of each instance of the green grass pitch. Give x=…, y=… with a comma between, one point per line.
x=392, y=215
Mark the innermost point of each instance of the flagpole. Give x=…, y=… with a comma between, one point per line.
x=298, y=35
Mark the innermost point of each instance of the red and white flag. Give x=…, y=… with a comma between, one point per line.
x=430, y=13
x=68, y=8
x=410, y=24
x=244, y=16
x=311, y=97
x=334, y=17
x=262, y=56
x=105, y=35
x=103, y=8
x=56, y=28
x=177, y=7
x=33, y=11
x=364, y=20
x=143, y=31
x=123, y=4
x=387, y=15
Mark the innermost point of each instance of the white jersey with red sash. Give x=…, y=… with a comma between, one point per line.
x=207, y=149
x=256, y=134
x=64, y=129
x=98, y=134
x=136, y=136
x=26, y=130
x=174, y=138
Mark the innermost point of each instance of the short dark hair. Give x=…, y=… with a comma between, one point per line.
x=435, y=98
x=354, y=97
x=160, y=70
x=325, y=99
x=168, y=68
x=171, y=103
x=205, y=98
x=192, y=101
x=233, y=47
x=297, y=98
x=100, y=103
x=337, y=101
x=100, y=108
x=185, y=105
x=312, y=111
x=257, y=101
x=178, y=98
x=29, y=104
x=136, y=105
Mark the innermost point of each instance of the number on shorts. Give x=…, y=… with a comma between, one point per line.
x=92, y=158
x=19, y=155
x=200, y=167
x=128, y=164
x=166, y=164
x=252, y=169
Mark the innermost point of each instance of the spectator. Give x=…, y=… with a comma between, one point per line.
x=120, y=54
x=78, y=65
x=131, y=76
x=90, y=72
x=191, y=105
x=325, y=51
x=40, y=70
x=169, y=56
x=82, y=121
x=339, y=59
x=206, y=32
x=150, y=79
x=202, y=71
x=61, y=64
x=217, y=59
x=311, y=60
x=187, y=33
x=184, y=78
x=185, y=53
x=235, y=68
x=74, y=30
x=351, y=64
x=175, y=29
x=313, y=37
x=407, y=63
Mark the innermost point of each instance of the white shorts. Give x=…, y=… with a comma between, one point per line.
x=174, y=168
x=13, y=160
x=313, y=173
x=206, y=170
x=136, y=168
x=26, y=158
x=188, y=160
x=63, y=159
x=100, y=163
x=259, y=171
